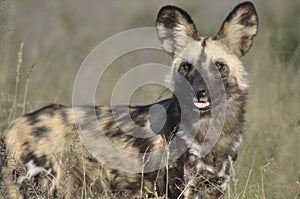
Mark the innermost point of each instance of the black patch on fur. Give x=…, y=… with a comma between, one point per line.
x=34, y=117
x=25, y=145
x=114, y=171
x=38, y=161
x=98, y=112
x=40, y=131
x=138, y=116
x=204, y=42
x=246, y=19
x=88, y=121
x=55, y=193
x=173, y=112
x=109, y=125
x=64, y=116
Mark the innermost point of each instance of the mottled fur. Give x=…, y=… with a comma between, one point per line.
x=46, y=157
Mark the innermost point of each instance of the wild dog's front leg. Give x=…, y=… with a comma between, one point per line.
x=36, y=157
x=190, y=177
x=204, y=185
x=28, y=180
x=206, y=181
x=9, y=173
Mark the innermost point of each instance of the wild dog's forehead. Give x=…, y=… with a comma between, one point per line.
x=191, y=53
x=217, y=51
x=207, y=50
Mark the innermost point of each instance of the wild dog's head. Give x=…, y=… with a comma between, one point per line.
x=206, y=66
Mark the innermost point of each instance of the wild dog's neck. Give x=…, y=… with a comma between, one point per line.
x=235, y=113
x=217, y=132
x=230, y=113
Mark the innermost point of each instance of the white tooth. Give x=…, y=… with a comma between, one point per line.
x=201, y=104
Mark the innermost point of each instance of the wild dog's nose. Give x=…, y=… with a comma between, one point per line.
x=201, y=91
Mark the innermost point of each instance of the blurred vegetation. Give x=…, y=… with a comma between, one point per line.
x=57, y=36
x=285, y=43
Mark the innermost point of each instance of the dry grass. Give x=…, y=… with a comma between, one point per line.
x=269, y=162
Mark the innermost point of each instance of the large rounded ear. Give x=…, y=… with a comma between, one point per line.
x=174, y=29
x=239, y=28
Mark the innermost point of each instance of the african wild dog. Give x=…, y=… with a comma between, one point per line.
x=46, y=157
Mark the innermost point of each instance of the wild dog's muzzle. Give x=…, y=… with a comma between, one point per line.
x=202, y=99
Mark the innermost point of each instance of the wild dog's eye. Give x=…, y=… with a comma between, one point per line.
x=219, y=65
x=185, y=66
x=222, y=69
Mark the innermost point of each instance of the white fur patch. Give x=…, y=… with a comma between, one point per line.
x=237, y=144
x=223, y=169
x=224, y=185
x=180, y=35
x=32, y=170
x=195, y=149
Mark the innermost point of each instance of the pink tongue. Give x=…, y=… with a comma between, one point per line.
x=201, y=104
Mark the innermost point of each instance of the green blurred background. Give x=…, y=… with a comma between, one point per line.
x=58, y=35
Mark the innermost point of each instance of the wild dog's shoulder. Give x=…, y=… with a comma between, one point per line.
x=49, y=110
x=39, y=124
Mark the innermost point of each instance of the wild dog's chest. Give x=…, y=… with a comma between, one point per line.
x=207, y=171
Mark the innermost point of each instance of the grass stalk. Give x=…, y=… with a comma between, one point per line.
x=26, y=88
x=145, y=161
x=84, y=184
x=167, y=169
x=247, y=182
x=15, y=103
x=263, y=195
x=263, y=169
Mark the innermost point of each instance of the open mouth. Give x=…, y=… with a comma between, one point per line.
x=202, y=103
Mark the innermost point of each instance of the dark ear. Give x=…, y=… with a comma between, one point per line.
x=174, y=29
x=239, y=28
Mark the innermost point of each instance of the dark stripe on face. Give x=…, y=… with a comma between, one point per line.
x=203, y=56
x=204, y=42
